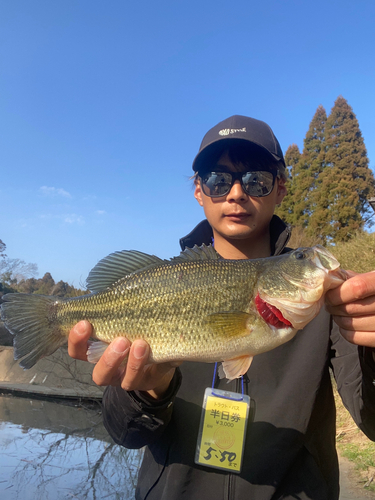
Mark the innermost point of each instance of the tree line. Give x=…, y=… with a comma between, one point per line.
x=18, y=276
x=330, y=182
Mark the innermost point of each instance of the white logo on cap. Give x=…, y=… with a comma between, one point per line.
x=228, y=131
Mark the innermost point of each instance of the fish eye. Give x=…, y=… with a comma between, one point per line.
x=300, y=255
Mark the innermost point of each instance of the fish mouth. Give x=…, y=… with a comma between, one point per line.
x=324, y=260
x=271, y=314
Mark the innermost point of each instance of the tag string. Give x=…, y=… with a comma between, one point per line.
x=223, y=396
x=214, y=377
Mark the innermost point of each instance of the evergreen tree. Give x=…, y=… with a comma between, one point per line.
x=286, y=209
x=310, y=168
x=314, y=150
x=314, y=159
x=346, y=181
x=304, y=174
x=329, y=184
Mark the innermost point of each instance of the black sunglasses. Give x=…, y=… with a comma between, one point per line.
x=258, y=183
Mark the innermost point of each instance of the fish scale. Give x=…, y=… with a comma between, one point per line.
x=156, y=305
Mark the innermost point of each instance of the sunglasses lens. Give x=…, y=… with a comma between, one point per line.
x=257, y=184
x=216, y=184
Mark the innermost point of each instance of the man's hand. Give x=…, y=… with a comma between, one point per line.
x=352, y=305
x=135, y=374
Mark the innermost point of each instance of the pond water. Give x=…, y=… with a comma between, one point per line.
x=60, y=450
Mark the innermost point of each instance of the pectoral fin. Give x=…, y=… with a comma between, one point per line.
x=234, y=368
x=230, y=324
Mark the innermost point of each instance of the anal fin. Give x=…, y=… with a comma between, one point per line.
x=234, y=368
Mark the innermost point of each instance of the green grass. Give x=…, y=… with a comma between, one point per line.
x=355, y=446
x=362, y=455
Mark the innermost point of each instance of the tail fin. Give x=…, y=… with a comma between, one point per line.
x=31, y=319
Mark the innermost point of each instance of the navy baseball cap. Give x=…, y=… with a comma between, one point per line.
x=239, y=128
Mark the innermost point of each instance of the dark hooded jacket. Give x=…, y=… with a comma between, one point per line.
x=290, y=442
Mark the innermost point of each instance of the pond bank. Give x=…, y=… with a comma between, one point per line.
x=56, y=375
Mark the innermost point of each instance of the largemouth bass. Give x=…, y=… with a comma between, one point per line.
x=195, y=307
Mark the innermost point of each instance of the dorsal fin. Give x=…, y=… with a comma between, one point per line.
x=117, y=265
x=204, y=252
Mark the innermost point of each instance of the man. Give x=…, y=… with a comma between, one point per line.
x=290, y=440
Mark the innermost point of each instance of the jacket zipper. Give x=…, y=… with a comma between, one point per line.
x=231, y=478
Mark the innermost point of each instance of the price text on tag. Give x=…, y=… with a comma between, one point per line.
x=222, y=433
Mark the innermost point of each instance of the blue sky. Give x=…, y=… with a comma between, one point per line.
x=104, y=105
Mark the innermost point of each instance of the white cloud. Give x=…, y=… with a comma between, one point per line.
x=52, y=191
x=101, y=212
x=74, y=219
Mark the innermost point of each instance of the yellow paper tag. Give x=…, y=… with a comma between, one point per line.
x=222, y=430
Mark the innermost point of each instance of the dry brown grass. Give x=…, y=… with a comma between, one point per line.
x=357, y=254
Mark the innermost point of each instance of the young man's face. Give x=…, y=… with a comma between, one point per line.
x=238, y=216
